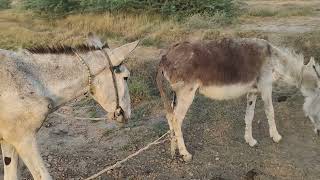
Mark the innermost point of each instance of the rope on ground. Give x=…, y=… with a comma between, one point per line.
x=79, y=118
x=117, y=164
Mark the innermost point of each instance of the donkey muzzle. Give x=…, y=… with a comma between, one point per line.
x=119, y=116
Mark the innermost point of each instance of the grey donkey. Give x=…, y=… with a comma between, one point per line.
x=227, y=69
x=37, y=81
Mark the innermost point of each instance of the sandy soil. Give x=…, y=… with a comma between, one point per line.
x=213, y=131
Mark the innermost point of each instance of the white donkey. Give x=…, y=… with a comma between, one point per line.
x=38, y=81
x=227, y=69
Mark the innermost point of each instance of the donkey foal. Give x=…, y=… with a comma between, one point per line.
x=226, y=69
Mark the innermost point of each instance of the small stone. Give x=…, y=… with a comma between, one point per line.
x=50, y=158
x=217, y=158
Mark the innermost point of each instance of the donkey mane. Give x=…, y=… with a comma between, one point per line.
x=63, y=49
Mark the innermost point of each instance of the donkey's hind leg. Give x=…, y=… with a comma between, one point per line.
x=10, y=161
x=265, y=88
x=251, y=103
x=185, y=96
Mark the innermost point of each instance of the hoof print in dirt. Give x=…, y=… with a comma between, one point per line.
x=217, y=178
x=250, y=175
x=282, y=98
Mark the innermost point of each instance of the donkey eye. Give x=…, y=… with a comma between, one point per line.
x=117, y=70
x=125, y=78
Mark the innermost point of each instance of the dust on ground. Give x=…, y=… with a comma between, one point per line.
x=213, y=132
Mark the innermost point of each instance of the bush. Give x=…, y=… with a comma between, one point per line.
x=4, y=4
x=180, y=8
x=165, y=7
x=51, y=7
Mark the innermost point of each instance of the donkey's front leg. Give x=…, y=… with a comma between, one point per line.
x=10, y=161
x=185, y=96
x=266, y=94
x=251, y=103
x=28, y=150
x=173, y=146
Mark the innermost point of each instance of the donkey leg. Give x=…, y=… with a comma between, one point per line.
x=185, y=97
x=251, y=103
x=29, y=153
x=10, y=161
x=266, y=94
x=173, y=139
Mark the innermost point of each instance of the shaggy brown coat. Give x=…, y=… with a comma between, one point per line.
x=227, y=61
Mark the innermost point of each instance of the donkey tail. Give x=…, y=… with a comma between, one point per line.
x=160, y=78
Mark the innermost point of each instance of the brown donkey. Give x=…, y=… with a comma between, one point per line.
x=230, y=68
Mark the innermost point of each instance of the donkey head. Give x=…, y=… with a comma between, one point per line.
x=311, y=91
x=110, y=87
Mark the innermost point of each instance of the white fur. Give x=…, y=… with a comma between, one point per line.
x=226, y=92
x=51, y=80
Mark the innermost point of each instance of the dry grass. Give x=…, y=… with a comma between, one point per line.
x=23, y=29
x=281, y=11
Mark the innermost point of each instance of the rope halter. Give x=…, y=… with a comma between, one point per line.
x=118, y=115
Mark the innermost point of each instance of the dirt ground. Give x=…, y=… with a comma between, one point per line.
x=213, y=132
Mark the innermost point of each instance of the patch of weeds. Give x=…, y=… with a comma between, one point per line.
x=125, y=147
x=212, y=34
x=151, y=42
x=281, y=12
x=107, y=132
x=262, y=12
x=160, y=128
x=85, y=102
x=296, y=11
x=141, y=112
x=139, y=89
x=251, y=34
x=93, y=113
x=204, y=21
x=142, y=84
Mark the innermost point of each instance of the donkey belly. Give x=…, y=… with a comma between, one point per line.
x=226, y=92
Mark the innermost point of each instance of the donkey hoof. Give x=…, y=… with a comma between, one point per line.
x=276, y=138
x=187, y=157
x=252, y=142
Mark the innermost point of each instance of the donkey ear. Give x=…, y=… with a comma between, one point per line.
x=117, y=55
x=94, y=40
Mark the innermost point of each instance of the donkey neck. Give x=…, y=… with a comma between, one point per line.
x=63, y=77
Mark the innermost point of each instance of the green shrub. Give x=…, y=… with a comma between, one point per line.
x=4, y=4
x=51, y=7
x=179, y=8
